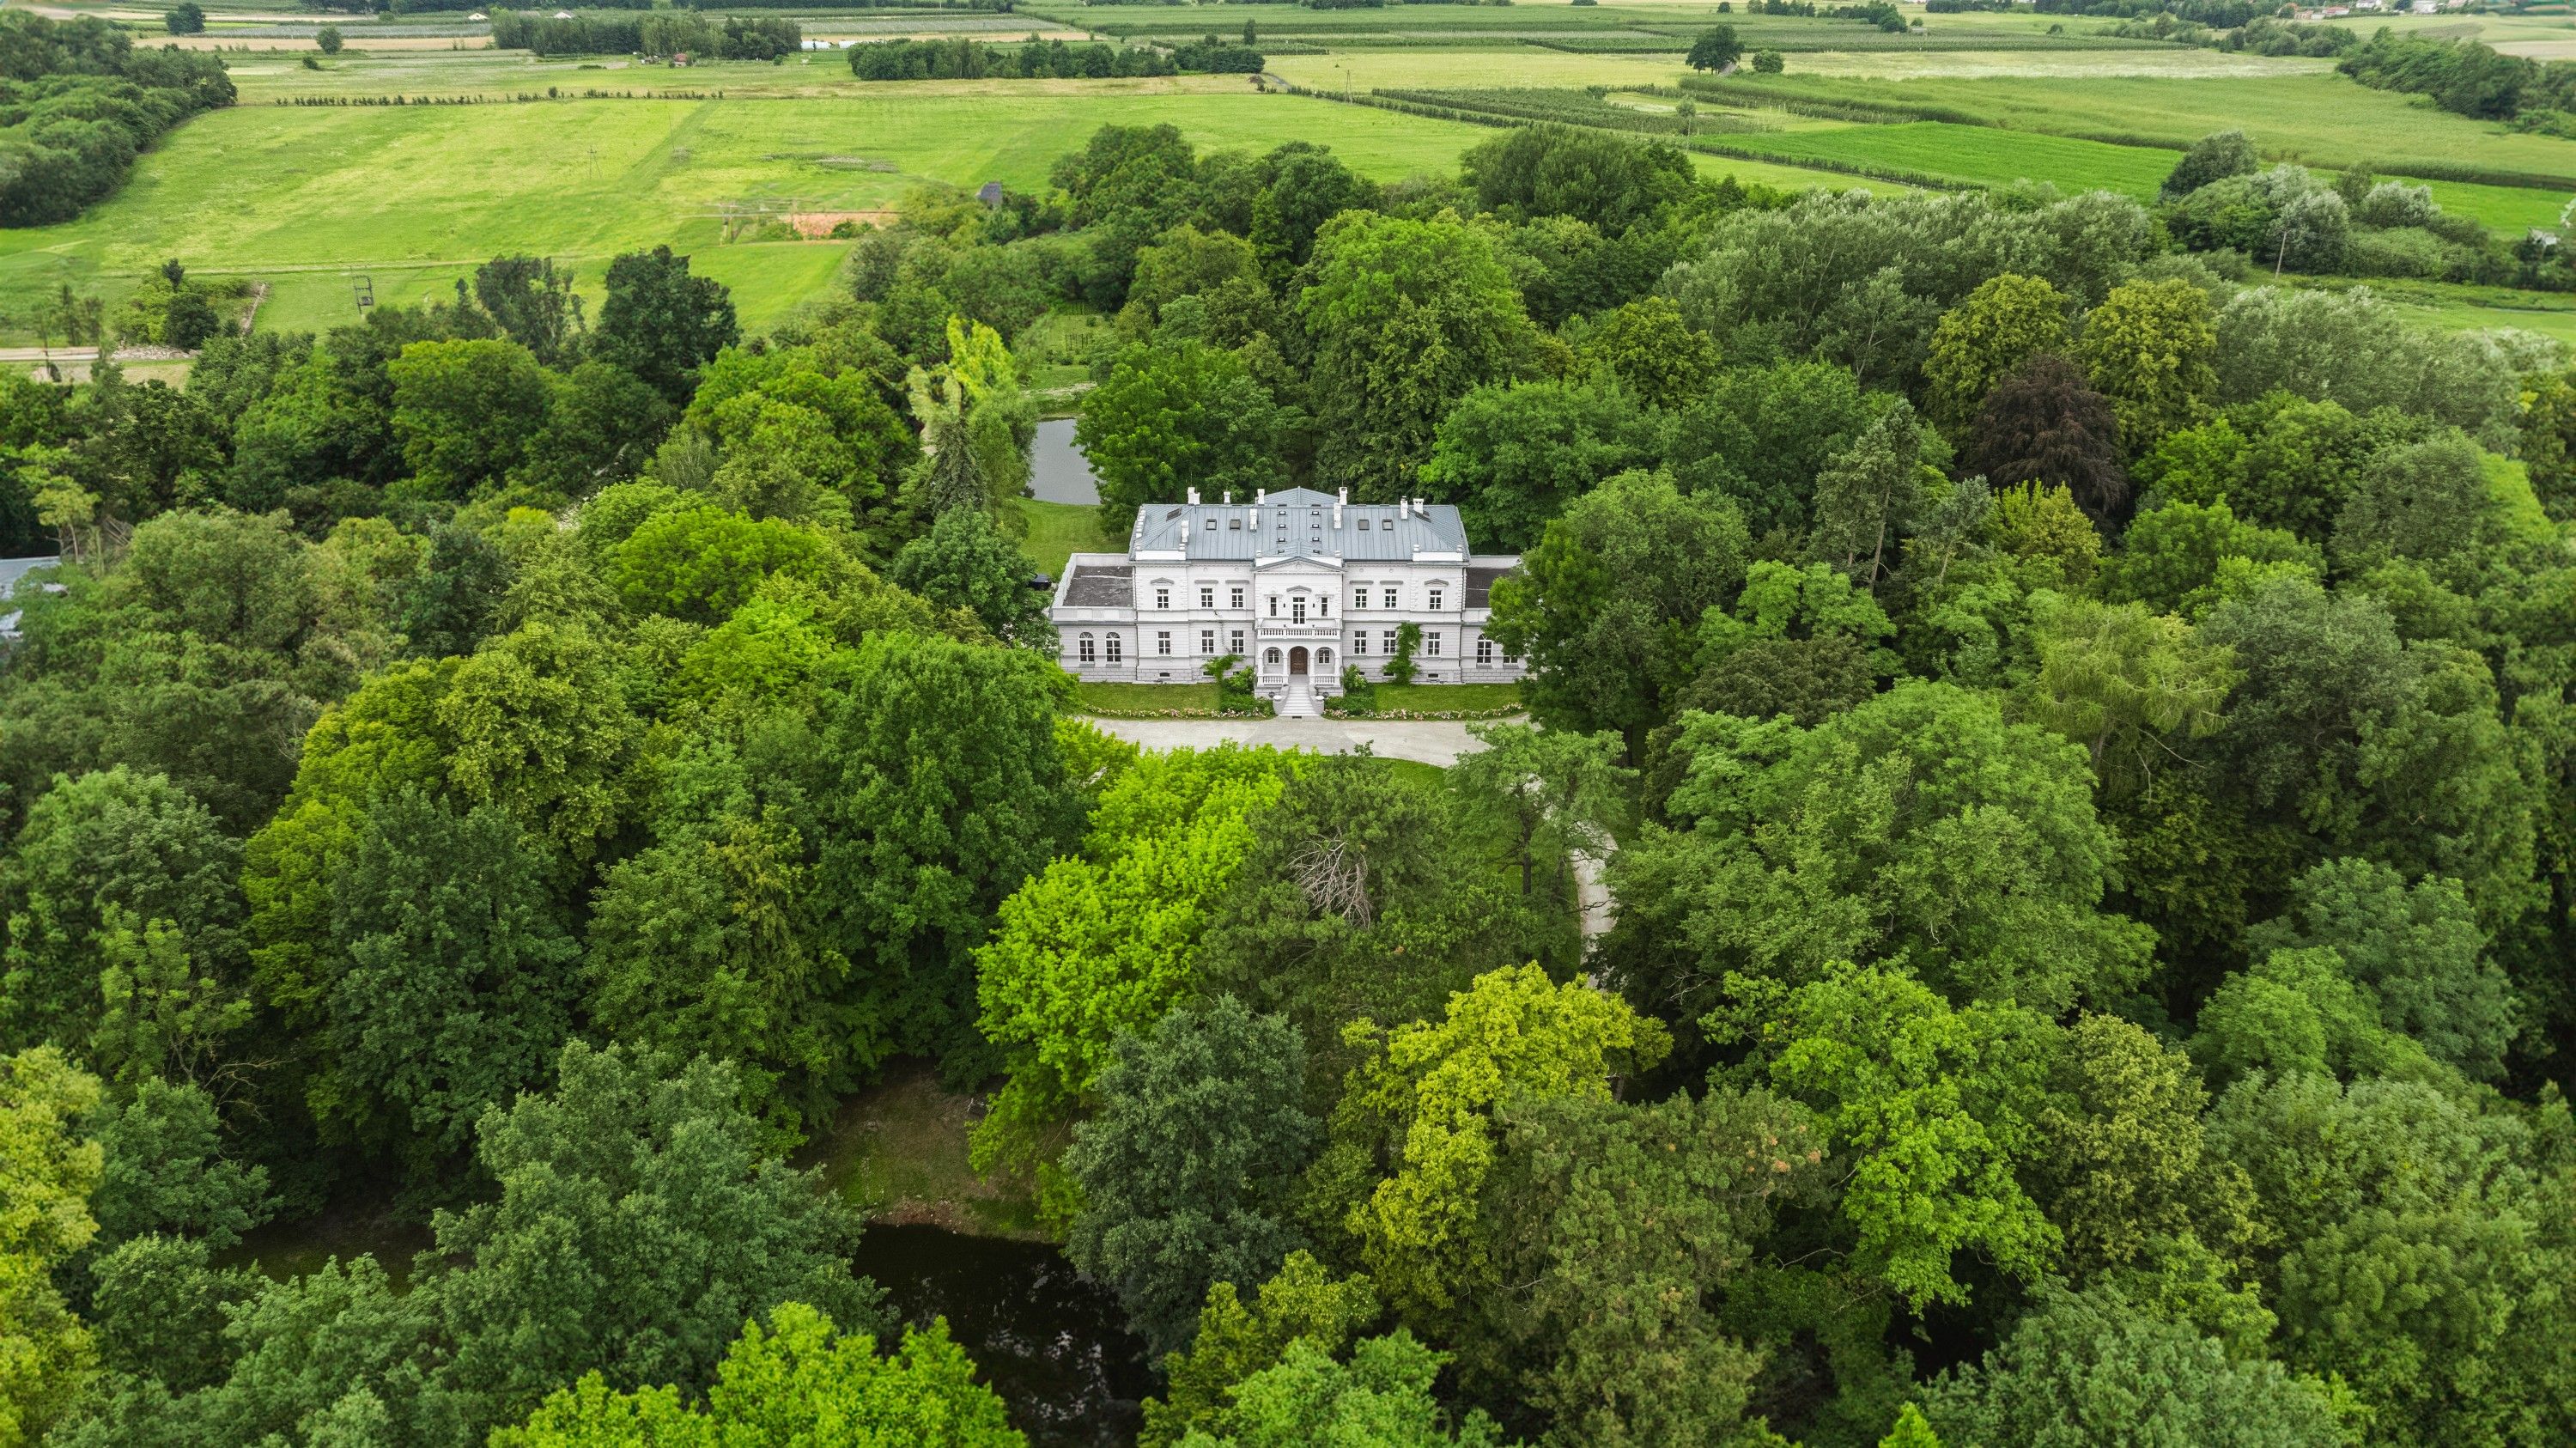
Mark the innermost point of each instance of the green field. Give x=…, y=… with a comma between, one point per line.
x=2319, y=118
x=415, y=196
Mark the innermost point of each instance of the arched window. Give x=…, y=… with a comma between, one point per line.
x=1272, y=657
x=1116, y=647
x=1089, y=650
x=1323, y=656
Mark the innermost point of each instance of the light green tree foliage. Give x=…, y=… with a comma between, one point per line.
x=536, y=724
x=1106, y=941
x=799, y=1384
x=2279, y=461
x=449, y=978
x=702, y=563
x=1302, y=1303
x=1381, y=1398
x=2299, y=1011
x=2420, y=1250
x=109, y=869
x=1604, y=606
x=1982, y=340
x=1001, y=417
x=1171, y=417
x=2094, y=1368
x=2415, y=950
x=465, y=412
x=1911, y=1431
x=1937, y=1109
x=2134, y=688
x=2188, y=558
x=1414, y=1137
x=2043, y=536
x=1920, y=830
x=965, y=561
x=803, y=432
x=1658, y=358
x=47, y=1170
x=1617, y=1225
x=1407, y=316
x=637, y=1226
x=160, y=1012
x=2125, y=1175
x=1188, y=1170
x=2148, y=348
x=1513, y=456
x=1554, y=794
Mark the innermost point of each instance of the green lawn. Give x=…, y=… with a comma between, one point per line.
x=1432, y=698
x=1095, y=698
x=1058, y=530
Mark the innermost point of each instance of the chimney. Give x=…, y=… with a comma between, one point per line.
x=1194, y=497
x=1340, y=497
x=1229, y=497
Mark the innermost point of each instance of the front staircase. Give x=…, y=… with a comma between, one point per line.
x=1298, y=701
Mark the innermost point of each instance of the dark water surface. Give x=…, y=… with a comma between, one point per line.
x=1053, y=1345
x=1058, y=472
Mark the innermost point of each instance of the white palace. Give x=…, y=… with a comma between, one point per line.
x=1298, y=584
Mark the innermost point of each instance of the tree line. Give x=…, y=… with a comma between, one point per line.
x=963, y=58
x=78, y=102
x=657, y=33
x=2080, y=744
x=2469, y=78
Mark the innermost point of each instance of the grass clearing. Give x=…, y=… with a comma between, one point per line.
x=1057, y=531
x=897, y=1151
x=1979, y=155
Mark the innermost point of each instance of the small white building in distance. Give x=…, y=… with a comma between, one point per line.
x=1297, y=584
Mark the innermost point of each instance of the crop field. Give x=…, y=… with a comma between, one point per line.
x=2316, y=117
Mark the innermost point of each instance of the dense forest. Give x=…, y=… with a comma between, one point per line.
x=2080, y=745
x=78, y=102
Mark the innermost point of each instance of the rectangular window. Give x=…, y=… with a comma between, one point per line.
x=1323, y=606
x=1234, y=597
x=1359, y=598
x=1274, y=605
x=1163, y=642
x=1207, y=641
x=1431, y=645
x=1207, y=595
x=1297, y=609
x=1234, y=642
x=1117, y=647
x=1390, y=595
x=1511, y=661
x=1484, y=653
x=1390, y=643
x=1435, y=600
x=1162, y=598
x=1359, y=642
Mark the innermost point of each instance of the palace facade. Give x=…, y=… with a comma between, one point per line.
x=1298, y=584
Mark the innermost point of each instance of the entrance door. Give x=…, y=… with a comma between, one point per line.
x=1297, y=661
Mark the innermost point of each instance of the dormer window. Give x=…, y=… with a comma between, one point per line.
x=1363, y=525
x=1211, y=525
x=1232, y=524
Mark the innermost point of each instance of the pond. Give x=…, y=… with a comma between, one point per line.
x=1058, y=472
x=1054, y=1346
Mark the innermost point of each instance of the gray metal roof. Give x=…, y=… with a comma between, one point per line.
x=1298, y=523
x=12, y=569
x=1101, y=585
